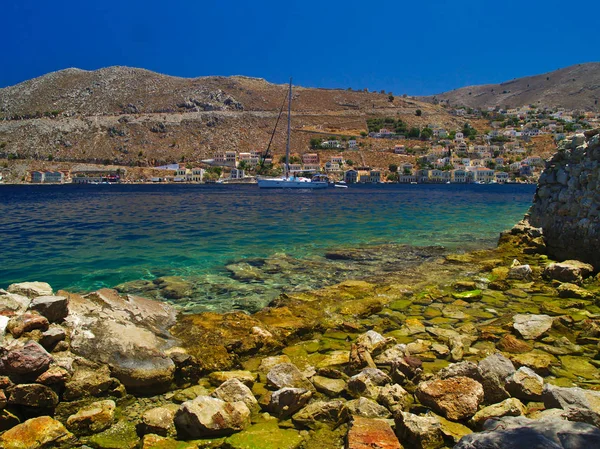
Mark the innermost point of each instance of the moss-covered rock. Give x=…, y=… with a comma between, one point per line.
x=265, y=435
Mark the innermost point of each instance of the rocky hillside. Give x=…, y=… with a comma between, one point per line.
x=575, y=87
x=131, y=116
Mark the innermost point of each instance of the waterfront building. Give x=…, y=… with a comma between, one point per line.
x=351, y=176
x=310, y=159
x=54, y=177
x=37, y=177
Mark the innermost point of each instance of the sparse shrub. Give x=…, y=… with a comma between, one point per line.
x=418, y=113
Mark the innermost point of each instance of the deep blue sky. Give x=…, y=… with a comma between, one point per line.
x=418, y=47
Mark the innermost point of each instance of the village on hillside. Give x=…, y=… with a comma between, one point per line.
x=505, y=152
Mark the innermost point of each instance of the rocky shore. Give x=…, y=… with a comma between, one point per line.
x=489, y=349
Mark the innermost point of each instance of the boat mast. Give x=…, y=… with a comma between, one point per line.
x=289, y=130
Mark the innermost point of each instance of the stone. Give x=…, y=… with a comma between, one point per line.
x=3, y=400
x=460, y=369
x=568, y=290
x=31, y=359
x=287, y=401
x=563, y=397
x=51, y=337
x=568, y=271
x=367, y=408
x=511, y=344
x=121, y=435
x=268, y=363
x=288, y=375
x=94, y=418
x=394, y=397
x=54, y=308
x=235, y=391
x=525, y=384
x=418, y=347
x=367, y=433
x=32, y=395
x=31, y=289
x=532, y=327
x=206, y=417
x=387, y=357
x=537, y=360
x=331, y=412
x=88, y=379
x=266, y=435
x=27, y=322
x=366, y=382
x=158, y=420
x=523, y=433
x=153, y=441
x=521, y=272
x=373, y=342
x=329, y=387
x=452, y=430
x=456, y=398
x=190, y=393
x=216, y=378
x=36, y=433
x=508, y=407
x=419, y=432
x=359, y=358
x=126, y=332
x=493, y=372
x=12, y=304
x=55, y=375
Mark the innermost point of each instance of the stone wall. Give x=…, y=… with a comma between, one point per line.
x=567, y=201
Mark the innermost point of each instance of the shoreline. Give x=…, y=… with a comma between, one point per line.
x=442, y=315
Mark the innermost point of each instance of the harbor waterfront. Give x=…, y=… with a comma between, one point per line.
x=217, y=247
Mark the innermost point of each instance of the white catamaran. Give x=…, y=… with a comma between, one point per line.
x=290, y=180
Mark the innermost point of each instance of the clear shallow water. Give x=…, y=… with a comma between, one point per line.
x=87, y=237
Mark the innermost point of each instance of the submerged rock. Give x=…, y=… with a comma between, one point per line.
x=419, y=432
x=288, y=375
x=94, y=418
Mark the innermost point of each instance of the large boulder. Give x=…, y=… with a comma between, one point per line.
x=456, y=398
x=207, y=417
x=563, y=397
x=27, y=322
x=36, y=433
x=525, y=384
x=524, y=433
x=128, y=333
x=568, y=271
x=13, y=303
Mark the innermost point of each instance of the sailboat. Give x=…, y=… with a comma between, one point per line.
x=289, y=180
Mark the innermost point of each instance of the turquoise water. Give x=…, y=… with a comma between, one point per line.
x=86, y=237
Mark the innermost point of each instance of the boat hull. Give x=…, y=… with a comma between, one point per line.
x=290, y=184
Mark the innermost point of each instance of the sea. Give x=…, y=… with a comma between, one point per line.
x=224, y=247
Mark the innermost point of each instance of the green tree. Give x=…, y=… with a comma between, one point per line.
x=363, y=134
x=349, y=162
x=426, y=133
x=393, y=168
x=315, y=143
x=418, y=113
x=414, y=132
x=390, y=98
x=392, y=177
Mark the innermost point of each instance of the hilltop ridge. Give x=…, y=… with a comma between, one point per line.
x=573, y=87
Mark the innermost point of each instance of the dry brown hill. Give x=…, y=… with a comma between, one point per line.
x=574, y=87
x=129, y=116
